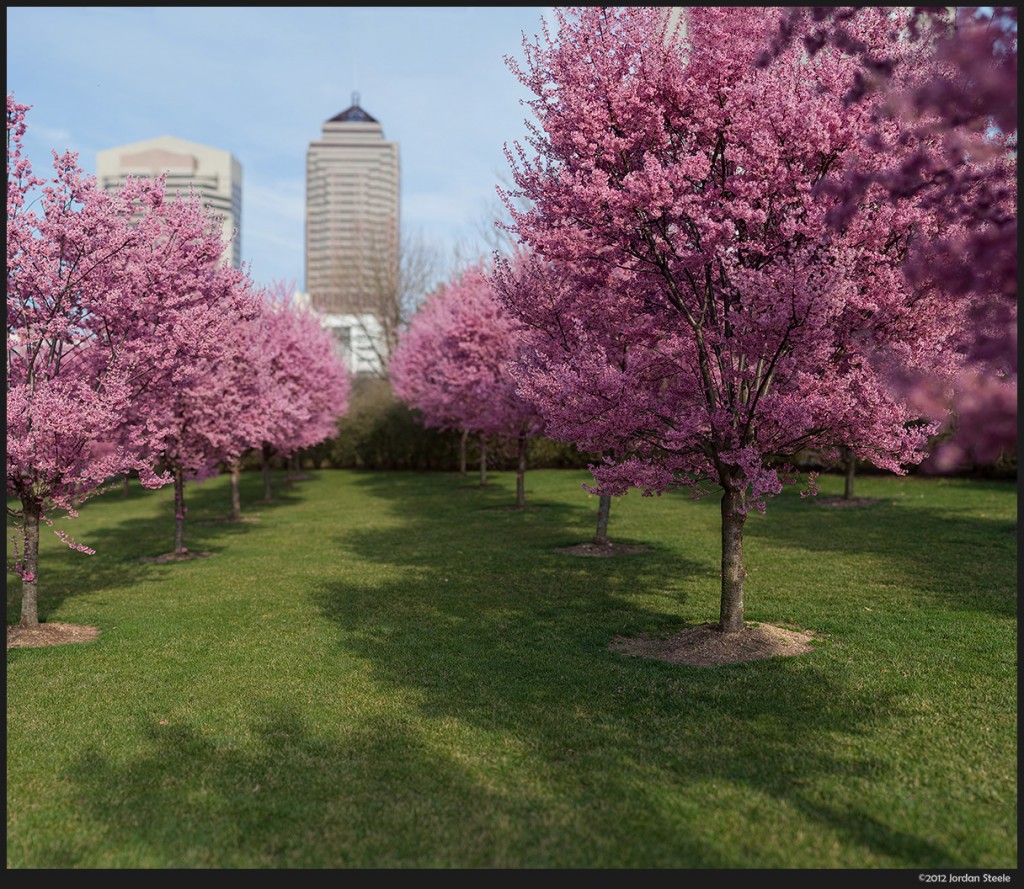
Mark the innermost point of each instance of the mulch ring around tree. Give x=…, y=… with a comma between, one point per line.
x=602, y=549
x=176, y=557
x=49, y=634
x=707, y=646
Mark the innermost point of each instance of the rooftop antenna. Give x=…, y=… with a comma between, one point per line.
x=355, y=98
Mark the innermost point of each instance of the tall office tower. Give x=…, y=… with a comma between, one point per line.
x=214, y=175
x=352, y=232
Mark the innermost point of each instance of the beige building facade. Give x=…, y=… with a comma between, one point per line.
x=352, y=214
x=214, y=174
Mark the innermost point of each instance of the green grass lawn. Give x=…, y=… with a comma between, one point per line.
x=393, y=670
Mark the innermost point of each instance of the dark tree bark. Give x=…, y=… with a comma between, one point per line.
x=294, y=466
x=521, y=472
x=267, y=493
x=733, y=517
x=463, y=441
x=236, y=497
x=851, y=468
x=29, y=583
x=179, y=510
x=604, y=506
x=483, y=462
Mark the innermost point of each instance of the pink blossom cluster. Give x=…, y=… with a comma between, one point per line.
x=452, y=362
x=307, y=386
x=132, y=348
x=693, y=312
x=947, y=84
x=698, y=311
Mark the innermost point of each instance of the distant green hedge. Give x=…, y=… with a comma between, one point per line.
x=381, y=432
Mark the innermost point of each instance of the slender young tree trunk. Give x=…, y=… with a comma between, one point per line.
x=179, y=510
x=483, y=462
x=604, y=507
x=462, y=451
x=733, y=517
x=293, y=465
x=29, y=581
x=236, y=496
x=124, y=487
x=521, y=472
x=851, y=468
x=266, y=472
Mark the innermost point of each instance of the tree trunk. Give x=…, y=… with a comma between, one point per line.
x=521, y=472
x=179, y=510
x=733, y=517
x=236, y=496
x=851, y=467
x=483, y=462
x=294, y=468
x=124, y=488
x=604, y=507
x=29, y=579
x=266, y=472
x=462, y=451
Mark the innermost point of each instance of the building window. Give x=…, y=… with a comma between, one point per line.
x=343, y=337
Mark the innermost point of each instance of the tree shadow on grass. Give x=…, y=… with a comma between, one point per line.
x=501, y=732
x=126, y=550
x=446, y=494
x=485, y=624
x=627, y=772
x=958, y=558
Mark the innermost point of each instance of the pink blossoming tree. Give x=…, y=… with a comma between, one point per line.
x=242, y=422
x=452, y=364
x=961, y=115
x=414, y=373
x=306, y=383
x=101, y=313
x=541, y=295
x=715, y=323
x=203, y=418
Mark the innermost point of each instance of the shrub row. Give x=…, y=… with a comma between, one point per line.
x=381, y=432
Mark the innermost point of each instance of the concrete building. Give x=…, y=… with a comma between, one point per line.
x=214, y=174
x=358, y=338
x=352, y=229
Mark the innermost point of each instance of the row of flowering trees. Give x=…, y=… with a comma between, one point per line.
x=727, y=252
x=132, y=348
x=452, y=364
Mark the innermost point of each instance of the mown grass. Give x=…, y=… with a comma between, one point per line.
x=393, y=670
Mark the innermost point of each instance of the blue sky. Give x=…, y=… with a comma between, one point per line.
x=260, y=82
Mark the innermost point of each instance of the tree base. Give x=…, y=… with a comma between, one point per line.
x=606, y=550
x=45, y=634
x=707, y=646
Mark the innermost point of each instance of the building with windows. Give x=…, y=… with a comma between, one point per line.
x=214, y=174
x=358, y=338
x=352, y=232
